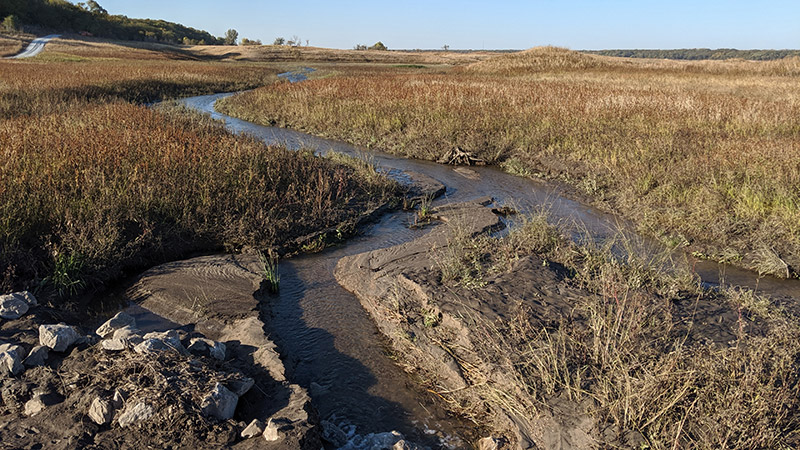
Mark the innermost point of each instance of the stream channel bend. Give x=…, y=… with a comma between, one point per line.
x=330, y=345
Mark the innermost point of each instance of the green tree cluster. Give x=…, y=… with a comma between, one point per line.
x=378, y=46
x=10, y=24
x=93, y=18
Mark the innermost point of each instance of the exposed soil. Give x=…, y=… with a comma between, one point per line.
x=216, y=294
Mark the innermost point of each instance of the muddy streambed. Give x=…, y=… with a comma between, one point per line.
x=329, y=343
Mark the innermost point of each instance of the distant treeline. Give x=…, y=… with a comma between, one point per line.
x=700, y=53
x=90, y=17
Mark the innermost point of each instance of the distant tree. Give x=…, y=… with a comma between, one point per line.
x=95, y=8
x=230, y=37
x=246, y=41
x=296, y=40
x=445, y=47
x=360, y=47
x=378, y=46
x=11, y=23
x=279, y=41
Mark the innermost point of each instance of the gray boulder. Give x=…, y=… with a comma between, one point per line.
x=136, y=413
x=120, y=320
x=57, y=337
x=11, y=357
x=37, y=356
x=220, y=403
x=12, y=307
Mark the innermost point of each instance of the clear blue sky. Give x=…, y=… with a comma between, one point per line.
x=468, y=24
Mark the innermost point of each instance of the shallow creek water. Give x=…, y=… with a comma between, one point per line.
x=332, y=347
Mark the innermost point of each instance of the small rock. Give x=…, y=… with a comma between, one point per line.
x=130, y=334
x=207, y=347
x=255, y=428
x=114, y=345
x=402, y=444
x=487, y=443
x=34, y=406
x=25, y=296
x=57, y=337
x=40, y=400
x=122, y=319
x=333, y=434
x=137, y=413
x=169, y=338
x=101, y=411
x=28, y=297
x=220, y=403
x=12, y=307
x=240, y=386
x=37, y=356
x=271, y=433
x=11, y=357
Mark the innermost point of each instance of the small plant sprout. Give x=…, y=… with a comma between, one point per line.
x=269, y=269
x=424, y=210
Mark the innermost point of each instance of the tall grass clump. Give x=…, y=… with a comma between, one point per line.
x=705, y=151
x=649, y=356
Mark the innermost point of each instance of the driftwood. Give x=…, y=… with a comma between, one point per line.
x=458, y=157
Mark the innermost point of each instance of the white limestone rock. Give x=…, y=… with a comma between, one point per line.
x=101, y=411
x=220, y=403
x=255, y=428
x=122, y=319
x=57, y=337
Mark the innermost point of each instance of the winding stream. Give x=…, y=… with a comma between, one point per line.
x=335, y=350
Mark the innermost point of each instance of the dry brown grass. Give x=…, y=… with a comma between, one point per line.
x=704, y=152
x=51, y=83
x=11, y=44
x=316, y=54
x=654, y=360
x=91, y=185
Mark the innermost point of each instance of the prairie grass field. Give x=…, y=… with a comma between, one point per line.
x=701, y=154
x=93, y=183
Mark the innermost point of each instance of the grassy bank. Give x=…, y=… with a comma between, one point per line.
x=698, y=153
x=652, y=359
x=92, y=184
